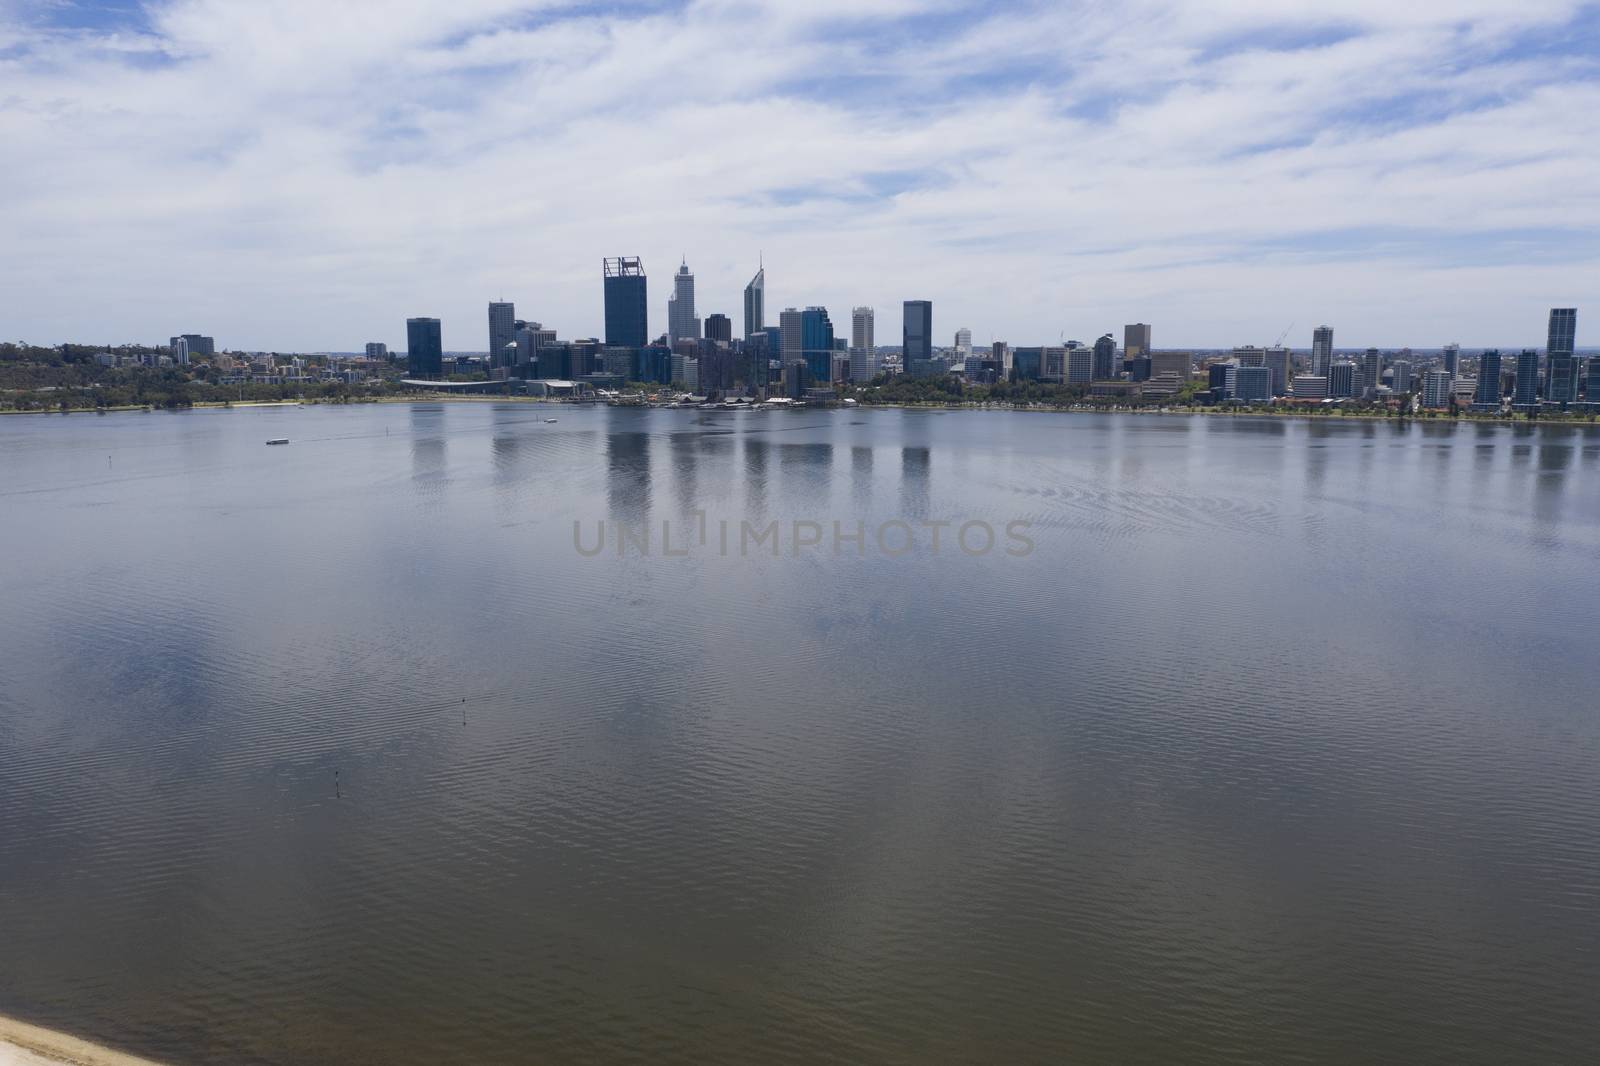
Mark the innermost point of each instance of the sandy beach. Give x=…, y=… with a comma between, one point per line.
x=22, y=1044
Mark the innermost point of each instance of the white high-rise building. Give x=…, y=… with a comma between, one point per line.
x=963, y=342
x=1321, y=350
x=682, y=323
x=755, y=303
x=864, y=362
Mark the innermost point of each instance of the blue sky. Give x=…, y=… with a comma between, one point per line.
x=304, y=175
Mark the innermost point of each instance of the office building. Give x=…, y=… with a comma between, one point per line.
x=719, y=328
x=195, y=345
x=1400, y=372
x=755, y=303
x=1165, y=364
x=1452, y=360
x=1277, y=364
x=1249, y=384
x=963, y=342
x=1592, y=383
x=1371, y=372
x=1436, y=389
x=424, y=348
x=502, y=333
x=1080, y=366
x=807, y=337
x=1321, y=349
x=1135, y=340
x=1525, y=389
x=179, y=350
x=1344, y=377
x=1561, y=375
x=1310, y=387
x=627, y=303
x=682, y=322
x=1000, y=353
x=916, y=338
x=1487, y=397
x=864, y=361
x=1250, y=356
x=1105, y=358
x=1027, y=364
x=378, y=351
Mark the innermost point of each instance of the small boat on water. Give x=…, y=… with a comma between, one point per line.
x=279, y=440
x=549, y=420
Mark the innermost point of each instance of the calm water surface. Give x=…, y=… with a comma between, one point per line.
x=1282, y=746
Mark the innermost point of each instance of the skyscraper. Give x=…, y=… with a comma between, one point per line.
x=1321, y=349
x=682, y=323
x=1436, y=388
x=963, y=342
x=1342, y=378
x=1561, y=383
x=1452, y=359
x=627, y=303
x=1525, y=393
x=719, y=328
x=864, y=363
x=916, y=337
x=1105, y=358
x=1371, y=371
x=424, y=348
x=807, y=336
x=377, y=350
x=502, y=333
x=1136, y=340
x=1080, y=366
x=755, y=303
x=1487, y=396
x=1277, y=364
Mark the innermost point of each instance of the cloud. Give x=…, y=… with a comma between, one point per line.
x=303, y=175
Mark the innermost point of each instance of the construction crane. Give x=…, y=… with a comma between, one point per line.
x=1282, y=335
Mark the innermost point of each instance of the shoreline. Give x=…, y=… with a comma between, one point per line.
x=1193, y=412
x=22, y=1044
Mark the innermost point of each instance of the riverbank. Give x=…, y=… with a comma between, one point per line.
x=22, y=1044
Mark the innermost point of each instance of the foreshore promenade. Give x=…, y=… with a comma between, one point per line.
x=22, y=1044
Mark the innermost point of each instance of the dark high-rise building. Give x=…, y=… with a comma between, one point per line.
x=1561, y=380
x=1105, y=358
x=1452, y=359
x=1321, y=350
x=916, y=337
x=502, y=334
x=1136, y=340
x=719, y=328
x=1525, y=393
x=424, y=348
x=1342, y=379
x=627, y=303
x=1371, y=371
x=1592, y=385
x=807, y=336
x=1027, y=364
x=1487, y=395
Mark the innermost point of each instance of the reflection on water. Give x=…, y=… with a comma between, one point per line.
x=1279, y=747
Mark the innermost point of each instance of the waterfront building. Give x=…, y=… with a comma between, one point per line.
x=682, y=322
x=1321, y=349
x=1250, y=384
x=1000, y=353
x=1561, y=378
x=424, y=348
x=502, y=332
x=916, y=338
x=1525, y=391
x=1400, y=371
x=1135, y=340
x=1371, y=372
x=1310, y=387
x=865, y=363
x=1105, y=358
x=1180, y=364
x=807, y=336
x=755, y=303
x=1080, y=366
x=1436, y=388
x=1487, y=396
x=627, y=303
x=1277, y=364
x=1343, y=378
x=1027, y=364
x=1452, y=359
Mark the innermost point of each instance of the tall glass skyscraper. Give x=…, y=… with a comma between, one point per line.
x=1452, y=359
x=1561, y=380
x=502, y=333
x=424, y=348
x=1526, y=392
x=682, y=322
x=755, y=303
x=1105, y=358
x=627, y=303
x=1487, y=396
x=1321, y=350
x=916, y=337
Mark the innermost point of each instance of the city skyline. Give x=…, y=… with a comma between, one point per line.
x=297, y=181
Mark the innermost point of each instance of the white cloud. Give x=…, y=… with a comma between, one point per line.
x=305, y=175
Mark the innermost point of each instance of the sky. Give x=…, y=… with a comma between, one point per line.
x=303, y=175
